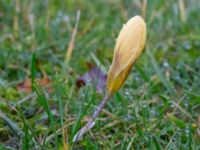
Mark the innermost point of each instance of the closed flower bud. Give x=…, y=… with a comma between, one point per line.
x=129, y=46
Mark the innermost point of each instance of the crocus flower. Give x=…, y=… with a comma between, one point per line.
x=129, y=46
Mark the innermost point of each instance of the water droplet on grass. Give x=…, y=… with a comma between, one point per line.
x=186, y=104
x=172, y=105
x=187, y=45
x=165, y=64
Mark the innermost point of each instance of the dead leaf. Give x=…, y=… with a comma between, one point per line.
x=95, y=77
x=26, y=85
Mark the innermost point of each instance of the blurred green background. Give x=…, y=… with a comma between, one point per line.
x=157, y=108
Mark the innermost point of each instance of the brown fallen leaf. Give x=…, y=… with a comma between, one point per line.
x=95, y=77
x=26, y=85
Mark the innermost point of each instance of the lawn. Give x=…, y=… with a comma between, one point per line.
x=47, y=46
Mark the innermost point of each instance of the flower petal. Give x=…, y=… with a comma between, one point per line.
x=129, y=46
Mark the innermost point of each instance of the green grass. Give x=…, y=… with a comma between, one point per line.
x=157, y=108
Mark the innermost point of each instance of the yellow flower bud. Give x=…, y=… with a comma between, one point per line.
x=129, y=46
